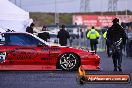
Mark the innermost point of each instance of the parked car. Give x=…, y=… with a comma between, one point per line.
x=24, y=51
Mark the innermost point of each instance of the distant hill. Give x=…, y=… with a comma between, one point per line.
x=41, y=19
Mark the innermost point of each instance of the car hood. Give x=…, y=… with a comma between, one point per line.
x=70, y=49
x=80, y=52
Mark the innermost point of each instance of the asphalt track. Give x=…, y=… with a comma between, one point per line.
x=62, y=79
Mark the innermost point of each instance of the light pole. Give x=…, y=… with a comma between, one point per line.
x=20, y=3
x=101, y=7
x=56, y=13
x=126, y=11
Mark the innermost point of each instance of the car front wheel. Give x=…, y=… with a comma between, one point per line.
x=69, y=61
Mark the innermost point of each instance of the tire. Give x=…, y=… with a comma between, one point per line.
x=69, y=62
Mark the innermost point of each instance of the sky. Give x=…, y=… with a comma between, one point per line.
x=69, y=6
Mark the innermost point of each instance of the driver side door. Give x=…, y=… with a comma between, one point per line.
x=22, y=49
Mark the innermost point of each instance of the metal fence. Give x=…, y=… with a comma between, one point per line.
x=85, y=43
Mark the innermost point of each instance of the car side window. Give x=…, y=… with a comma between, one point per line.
x=22, y=40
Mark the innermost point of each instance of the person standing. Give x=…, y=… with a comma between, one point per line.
x=44, y=35
x=93, y=35
x=71, y=40
x=117, y=37
x=87, y=40
x=63, y=35
x=81, y=37
x=107, y=44
x=30, y=29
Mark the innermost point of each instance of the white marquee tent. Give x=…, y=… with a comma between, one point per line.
x=12, y=17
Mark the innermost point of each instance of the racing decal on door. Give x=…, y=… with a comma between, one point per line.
x=22, y=53
x=2, y=57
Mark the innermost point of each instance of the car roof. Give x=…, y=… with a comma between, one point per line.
x=15, y=33
x=49, y=32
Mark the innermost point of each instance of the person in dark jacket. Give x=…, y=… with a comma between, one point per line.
x=63, y=35
x=117, y=36
x=30, y=29
x=44, y=35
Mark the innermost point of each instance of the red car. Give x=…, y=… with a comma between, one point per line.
x=24, y=51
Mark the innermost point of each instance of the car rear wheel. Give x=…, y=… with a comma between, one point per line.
x=69, y=61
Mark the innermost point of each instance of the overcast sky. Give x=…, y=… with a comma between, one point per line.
x=68, y=5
